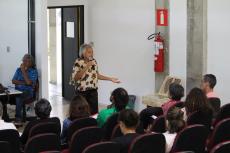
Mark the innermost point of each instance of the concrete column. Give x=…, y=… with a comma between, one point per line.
x=196, y=42
x=159, y=77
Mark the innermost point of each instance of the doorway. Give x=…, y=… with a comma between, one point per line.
x=65, y=35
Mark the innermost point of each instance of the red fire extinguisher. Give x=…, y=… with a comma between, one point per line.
x=159, y=52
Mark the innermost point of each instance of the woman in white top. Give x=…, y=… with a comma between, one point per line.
x=174, y=123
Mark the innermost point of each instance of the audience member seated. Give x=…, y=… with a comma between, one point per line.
x=208, y=84
x=78, y=108
x=24, y=79
x=196, y=101
x=42, y=111
x=3, y=124
x=176, y=92
x=128, y=121
x=119, y=98
x=174, y=124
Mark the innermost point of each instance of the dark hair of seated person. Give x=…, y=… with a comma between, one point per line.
x=174, y=118
x=129, y=118
x=195, y=101
x=210, y=79
x=119, y=98
x=128, y=121
x=78, y=108
x=176, y=91
x=43, y=109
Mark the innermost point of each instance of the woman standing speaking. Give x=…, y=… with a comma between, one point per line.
x=85, y=77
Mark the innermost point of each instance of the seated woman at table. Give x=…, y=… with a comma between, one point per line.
x=25, y=79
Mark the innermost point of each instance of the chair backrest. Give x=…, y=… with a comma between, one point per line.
x=85, y=137
x=223, y=113
x=191, y=138
x=103, y=147
x=5, y=147
x=147, y=113
x=215, y=104
x=45, y=127
x=159, y=125
x=131, y=103
x=221, y=133
x=110, y=124
x=12, y=137
x=148, y=143
x=31, y=124
x=43, y=142
x=200, y=118
x=116, y=132
x=79, y=124
x=223, y=147
x=185, y=152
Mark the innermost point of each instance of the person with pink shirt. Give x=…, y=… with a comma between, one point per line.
x=208, y=84
x=176, y=92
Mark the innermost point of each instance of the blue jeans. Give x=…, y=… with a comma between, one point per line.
x=19, y=103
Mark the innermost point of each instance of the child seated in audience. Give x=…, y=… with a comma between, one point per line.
x=174, y=123
x=196, y=101
x=78, y=108
x=42, y=111
x=128, y=122
x=208, y=84
x=176, y=92
x=3, y=124
x=119, y=98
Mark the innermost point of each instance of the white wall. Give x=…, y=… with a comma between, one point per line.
x=119, y=30
x=178, y=39
x=218, y=45
x=13, y=33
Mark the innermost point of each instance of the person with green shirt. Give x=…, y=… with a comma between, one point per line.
x=119, y=99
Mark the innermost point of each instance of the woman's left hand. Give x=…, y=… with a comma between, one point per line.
x=115, y=80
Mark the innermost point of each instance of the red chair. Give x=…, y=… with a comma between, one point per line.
x=110, y=124
x=116, y=132
x=45, y=127
x=215, y=103
x=192, y=138
x=84, y=138
x=199, y=117
x=103, y=147
x=220, y=134
x=79, y=124
x=146, y=116
x=223, y=147
x=43, y=142
x=223, y=114
x=148, y=143
x=159, y=125
x=12, y=137
x=5, y=147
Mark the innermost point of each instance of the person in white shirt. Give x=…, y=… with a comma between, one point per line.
x=4, y=125
x=174, y=123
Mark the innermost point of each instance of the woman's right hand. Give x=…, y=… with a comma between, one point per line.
x=90, y=63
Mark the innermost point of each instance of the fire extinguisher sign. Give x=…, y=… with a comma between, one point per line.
x=162, y=17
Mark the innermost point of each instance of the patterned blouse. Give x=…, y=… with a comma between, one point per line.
x=89, y=80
